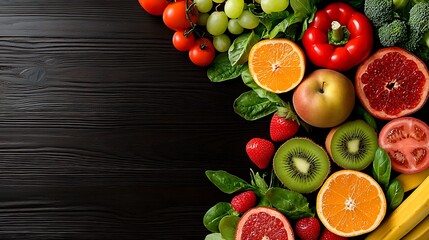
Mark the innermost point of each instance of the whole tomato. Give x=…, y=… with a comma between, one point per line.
x=203, y=52
x=174, y=15
x=182, y=41
x=154, y=7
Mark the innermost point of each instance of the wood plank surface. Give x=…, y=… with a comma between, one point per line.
x=105, y=129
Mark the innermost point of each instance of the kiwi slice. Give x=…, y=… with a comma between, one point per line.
x=353, y=145
x=301, y=165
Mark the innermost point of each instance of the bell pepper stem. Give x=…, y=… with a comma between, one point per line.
x=337, y=32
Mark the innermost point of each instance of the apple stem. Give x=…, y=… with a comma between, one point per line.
x=321, y=89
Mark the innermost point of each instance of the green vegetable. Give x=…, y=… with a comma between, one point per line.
x=381, y=168
x=419, y=18
x=379, y=12
x=214, y=236
x=221, y=69
x=213, y=216
x=256, y=104
x=227, y=182
x=240, y=48
x=393, y=33
x=227, y=226
x=292, y=204
x=395, y=193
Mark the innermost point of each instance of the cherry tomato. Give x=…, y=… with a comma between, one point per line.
x=203, y=52
x=154, y=7
x=183, y=43
x=174, y=15
x=406, y=141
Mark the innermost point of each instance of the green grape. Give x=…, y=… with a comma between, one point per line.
x=221, y=42
x=204, y=6
x=269, y=6
x=202, y=19
x=248, y=20
x=234, y=27
x=218, y=1
x=217, y=23
x=234, y=8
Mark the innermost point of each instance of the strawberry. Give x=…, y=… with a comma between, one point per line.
x=328, y=235
x=243, y=201
x=282, y=128
x=260, y=152
x=307, y=228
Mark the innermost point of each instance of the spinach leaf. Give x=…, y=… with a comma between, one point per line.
x=259, y=182
x=228, y=226
x=395, y=193
x=367, y=117
x=227, y=182
x=292, y=204
x=287, y=22
x=213, y=216
x=239, y=50
x=251, y=106
x=304, y=7
x=381, y=168
x=214, y=236
x=272, y=19
x=248, y=79
x=221, y=69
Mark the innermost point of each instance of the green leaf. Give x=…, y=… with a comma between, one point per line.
x=367, y=117
x=395, y=193
x=381, y=167
x=292, y=204
x=286, y=23
x=250, y=106
x=214, y=236
x=239, y=50
x=227, y=182
x=213, y=216
x=221, y=69
x=304, y=7
x=248, y=79
x=272, y=19
x=259, y=182
x=227, y=226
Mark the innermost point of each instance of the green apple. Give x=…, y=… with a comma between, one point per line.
x=325, y=98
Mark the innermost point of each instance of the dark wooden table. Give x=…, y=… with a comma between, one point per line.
x=105, y=129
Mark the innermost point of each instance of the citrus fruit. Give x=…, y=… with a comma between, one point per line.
x=350, y=203
x=392, y=83
x=406, y=141
x=263, y=223
x=277, y=65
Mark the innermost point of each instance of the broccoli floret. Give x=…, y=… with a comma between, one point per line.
x=393, y=33
x=379, y=12
x=419, y=18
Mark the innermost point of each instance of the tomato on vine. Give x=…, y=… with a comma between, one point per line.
x=154, y=7
x=202, y=53
x=175, y=15
x=183, y=41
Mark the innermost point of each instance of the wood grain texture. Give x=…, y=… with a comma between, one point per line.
x=106, y=130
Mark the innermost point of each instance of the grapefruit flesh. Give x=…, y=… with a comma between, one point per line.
x=392, y=83
x=263, y=223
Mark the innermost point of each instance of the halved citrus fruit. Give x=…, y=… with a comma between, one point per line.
x=263, y=223
x=350, y=203
x=277, y=65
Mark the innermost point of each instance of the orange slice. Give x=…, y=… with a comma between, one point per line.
x=350, y=203
x=277, y=65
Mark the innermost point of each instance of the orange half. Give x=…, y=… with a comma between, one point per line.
x=350, y=203
x=277, y=65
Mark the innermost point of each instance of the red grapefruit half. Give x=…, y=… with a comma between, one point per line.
x=263, y=223
x=392, y=83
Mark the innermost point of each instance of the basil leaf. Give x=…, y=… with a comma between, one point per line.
x=395, y=193
x=250, y=106
x=221, y=69
x=227, y=182
x=292, y=204
x=213, y=216
x=239, y=50
x=214, y=236
x=381, y=167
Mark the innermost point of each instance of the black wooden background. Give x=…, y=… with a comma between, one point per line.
x=105, y=129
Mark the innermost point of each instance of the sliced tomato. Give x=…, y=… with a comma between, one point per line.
x=406, y=140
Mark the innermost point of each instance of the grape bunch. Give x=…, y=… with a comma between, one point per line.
x=207, y=27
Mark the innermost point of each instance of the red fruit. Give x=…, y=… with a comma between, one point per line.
x=307, y=228
x=260, y=152
x=175, y=18
x=263, y=223
x=244, y=201
x=328, y=235
x=406, y=141
x=154, y=7
x=281, y=128
x=392, y=83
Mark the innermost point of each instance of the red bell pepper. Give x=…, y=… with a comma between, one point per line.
x=338, y=38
